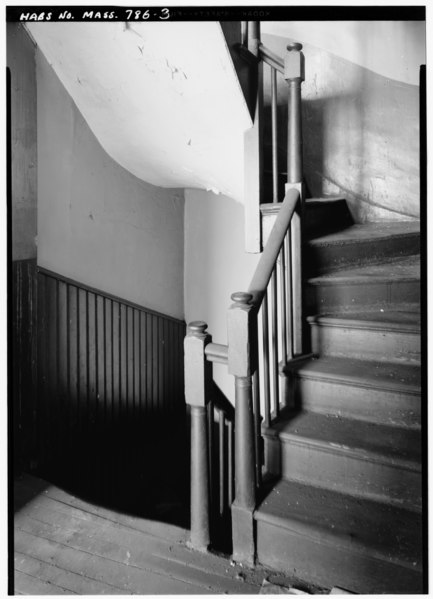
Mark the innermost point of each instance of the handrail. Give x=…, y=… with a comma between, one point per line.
x=271, y=59
x=216, y=352
x=269, y=257
x=264, y=326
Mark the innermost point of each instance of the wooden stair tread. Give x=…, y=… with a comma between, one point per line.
x=387, y=375
x=369, y=232
x=359, y=524
x=390, y=318
x=407, y=268
x=369, y=441
x=274, y=207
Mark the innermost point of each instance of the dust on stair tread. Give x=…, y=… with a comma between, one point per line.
x=407, y=268
x=365, y=439
x=392, y=318
x=384, y=375
x=359, y=523
x=369, y=231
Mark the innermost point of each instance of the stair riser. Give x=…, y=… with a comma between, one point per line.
x=326, y=257
x=326, y=564
x=340, y=470
x=365, y=343
x=323, y=297
x=363, y=403
x=320, y=217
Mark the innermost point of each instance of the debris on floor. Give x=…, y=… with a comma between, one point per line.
x=269, y=588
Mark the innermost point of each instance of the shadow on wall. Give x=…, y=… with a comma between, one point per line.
x=110, y=419
x=361, y=137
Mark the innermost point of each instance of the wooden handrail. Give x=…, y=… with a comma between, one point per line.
x=271, y=59
x=269, y=257
x=264, y=323
x=215, y=352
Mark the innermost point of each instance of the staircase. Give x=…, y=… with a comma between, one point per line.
x=342, y=504
x=325, y=349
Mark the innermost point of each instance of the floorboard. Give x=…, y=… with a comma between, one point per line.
x=67, y=545
x=75, y=583
x=26, y=584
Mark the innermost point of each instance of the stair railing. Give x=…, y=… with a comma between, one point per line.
x=264, y=326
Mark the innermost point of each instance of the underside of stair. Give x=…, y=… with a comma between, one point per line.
x=345, y=454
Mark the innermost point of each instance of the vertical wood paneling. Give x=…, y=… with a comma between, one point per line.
x=109, y=372
x=23, y=354
x=115, y=348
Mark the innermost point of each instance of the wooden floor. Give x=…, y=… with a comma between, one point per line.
x=65, y=545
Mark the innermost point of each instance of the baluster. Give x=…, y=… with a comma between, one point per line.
x=274, y=99
x=295, y=232
x=274, y=340
x=253, y=29
x=197, y=397
x=244, y=33
x=230, y=461
x=265, y=342
x=257, y=426
x=289, y=306
x=283, y=301
x=283, y=324
x=211, y=449
x=222, y=482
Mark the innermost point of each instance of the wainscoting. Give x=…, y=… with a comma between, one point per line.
x=109, y=416
x=22, y=356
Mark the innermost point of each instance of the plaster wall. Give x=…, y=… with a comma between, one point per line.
x=393, y=49
x=360, y=126
x=21, y=62
x=98, y=223
x=216, y=265
x=162, y=98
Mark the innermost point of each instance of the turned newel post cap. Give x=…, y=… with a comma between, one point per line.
x=241, y=297
x=294, y=62
x=197, y=327
x=294, y=46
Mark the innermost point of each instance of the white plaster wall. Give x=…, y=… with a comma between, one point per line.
x=163, y=99
x=216, y=265
x=360, y=112
x=394, y=49
x=97, y=223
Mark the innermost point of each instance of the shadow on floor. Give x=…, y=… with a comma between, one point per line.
x=137, y=467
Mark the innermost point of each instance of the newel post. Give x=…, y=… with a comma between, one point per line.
x=294, y=75
x=196, y=396
x=241, y=362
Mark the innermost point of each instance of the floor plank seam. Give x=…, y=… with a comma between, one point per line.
x=103, y=518
x=65, y=528
x=68, y=571
x=54, y=585
x=160, y=573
